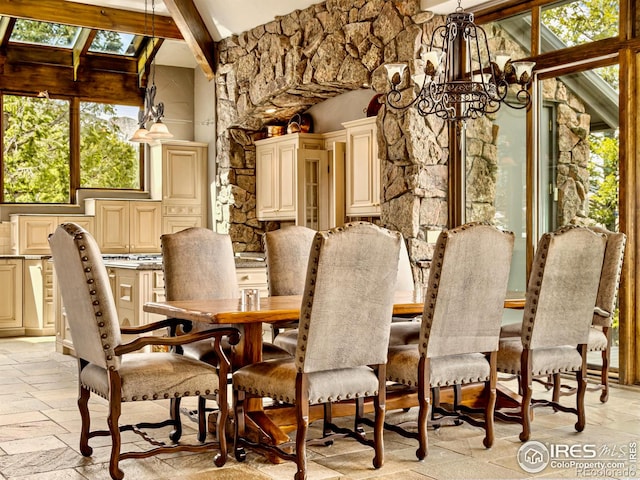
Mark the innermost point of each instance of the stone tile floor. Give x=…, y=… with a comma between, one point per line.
x=39, y=425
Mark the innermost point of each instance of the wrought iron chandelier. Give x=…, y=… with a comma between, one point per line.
x=152, y=112
x=458, y=78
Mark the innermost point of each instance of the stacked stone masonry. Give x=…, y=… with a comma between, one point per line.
x=310, y=55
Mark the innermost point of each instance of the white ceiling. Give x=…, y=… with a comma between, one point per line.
x=226, y=17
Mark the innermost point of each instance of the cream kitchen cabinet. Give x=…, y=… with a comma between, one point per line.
x=126, y=226
x=29, y=233
x=178, y=172
x=362, y=176
x=277, y=174
x=11, y=271
x=38, y=297
x=132, y=288
x=253, y=277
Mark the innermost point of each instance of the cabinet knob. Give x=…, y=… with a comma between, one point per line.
x=245, y=277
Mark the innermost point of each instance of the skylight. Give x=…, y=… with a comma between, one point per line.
x=44, y=33
x=115, y=43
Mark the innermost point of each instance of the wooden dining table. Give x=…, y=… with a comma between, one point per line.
x=273, y=422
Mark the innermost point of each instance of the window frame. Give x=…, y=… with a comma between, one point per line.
x=625, y=51
x=74, y=153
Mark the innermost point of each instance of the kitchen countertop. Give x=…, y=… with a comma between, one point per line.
x=249, y=260
x=24, y=257
x=253, y=260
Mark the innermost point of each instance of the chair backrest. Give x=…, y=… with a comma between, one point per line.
x=287, y=254
x=198, y=264
x=346, y=310
x=405, y=274
x=86, y=293
x=610, y=276
x=465, y=295
x=562, y=288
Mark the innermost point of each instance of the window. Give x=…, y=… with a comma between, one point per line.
x=115, y=43
x=36, y=150
x=44, y=33
x=107, y=158
x=571, y=23
x=37, y=161
x=570, y=159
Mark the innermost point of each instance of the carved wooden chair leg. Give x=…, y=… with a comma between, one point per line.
x=221, y=426
x=490, y=386
x=114, y=428
x=527, y=392
x=379, y=405
x=358, y=428
x=302, y=413
x=239, y=425
x=202, y=419
x=581, y=378
x=424, y=407
x=83, y=400
x=604, y=374
x=174, y=410
x=557, y=386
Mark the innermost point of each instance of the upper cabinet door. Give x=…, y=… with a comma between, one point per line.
x=277, y=174
x=144, y=227
x=287, y=181
x=266, y=182
x=183, y=174
x=362, y=169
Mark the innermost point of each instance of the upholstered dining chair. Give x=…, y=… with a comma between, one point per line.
x=599, y=333
x=348, y=295
x=108, y=367
x=560, y=300
x=460, y=325
x=293, y=261
x=287, y=255
x=198, y=264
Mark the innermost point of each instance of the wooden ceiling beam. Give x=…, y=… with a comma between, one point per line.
x=93, y=86
x=83, y=43
x=90, y=16
x=194, y=32
x=145, y=59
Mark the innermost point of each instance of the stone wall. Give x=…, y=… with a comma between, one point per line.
x=303, y=58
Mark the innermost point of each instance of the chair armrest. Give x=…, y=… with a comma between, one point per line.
x=601, y=317
x=232, y=333
x=172, y=323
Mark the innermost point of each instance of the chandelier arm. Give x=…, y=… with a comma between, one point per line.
x=393, y=98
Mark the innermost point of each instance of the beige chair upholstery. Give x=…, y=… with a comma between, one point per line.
x=199, y=264
x=287, y=255
x=403, y=330
x=461, y=324
x=107, y=366
x=348, y=295
x=560, y=300
x=599, y=333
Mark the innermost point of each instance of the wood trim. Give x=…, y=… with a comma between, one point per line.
x=629, y=202
x=74, y=149
x=195, y=33
x=90, y=16
x=107, y=87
